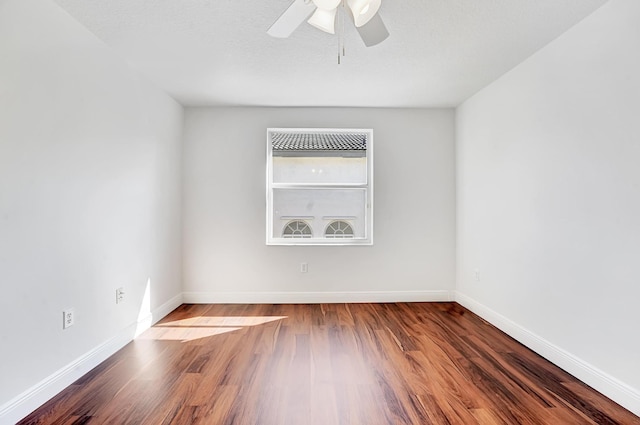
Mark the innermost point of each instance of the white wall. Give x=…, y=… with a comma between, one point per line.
x=225, y=256
x=89, y=201
x=548, y=201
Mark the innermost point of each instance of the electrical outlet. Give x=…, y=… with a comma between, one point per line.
x=304, y=267
x=68, y=318
x=119, y=295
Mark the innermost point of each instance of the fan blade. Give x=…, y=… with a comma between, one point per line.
x=373, y=32
x=291, y=19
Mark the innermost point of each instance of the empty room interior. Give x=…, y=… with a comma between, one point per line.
x=152, y=226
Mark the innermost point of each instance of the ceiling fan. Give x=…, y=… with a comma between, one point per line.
x=322, y=14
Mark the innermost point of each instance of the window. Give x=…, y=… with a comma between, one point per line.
x=339, y=229
x=319, y=186
x=297, y=229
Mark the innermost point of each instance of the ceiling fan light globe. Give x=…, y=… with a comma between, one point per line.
x=324, y=20
x=363, y=10
x=326, y=4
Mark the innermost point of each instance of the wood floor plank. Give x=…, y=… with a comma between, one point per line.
x=327, y=364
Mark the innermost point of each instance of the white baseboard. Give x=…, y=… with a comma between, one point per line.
x=315, y=297
x=25, y=403
x=616, y=390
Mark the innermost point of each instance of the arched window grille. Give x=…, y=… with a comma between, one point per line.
x=296, y=229
x=339, y=229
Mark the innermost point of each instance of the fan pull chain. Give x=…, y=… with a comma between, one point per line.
x=340, y=31
x=341, y=49
x=344, y=10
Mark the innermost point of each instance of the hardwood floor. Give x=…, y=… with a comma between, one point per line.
x=419, y=363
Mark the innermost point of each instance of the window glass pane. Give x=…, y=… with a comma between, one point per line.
x=319, y=208
x=323, y=170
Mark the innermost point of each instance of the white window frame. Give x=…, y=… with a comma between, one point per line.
x=367, y=186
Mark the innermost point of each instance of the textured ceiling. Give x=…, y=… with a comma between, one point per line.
x=217, y=52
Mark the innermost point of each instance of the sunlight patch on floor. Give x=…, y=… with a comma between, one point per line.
x=184, y=334
x=222, y=321
x=202, y=327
